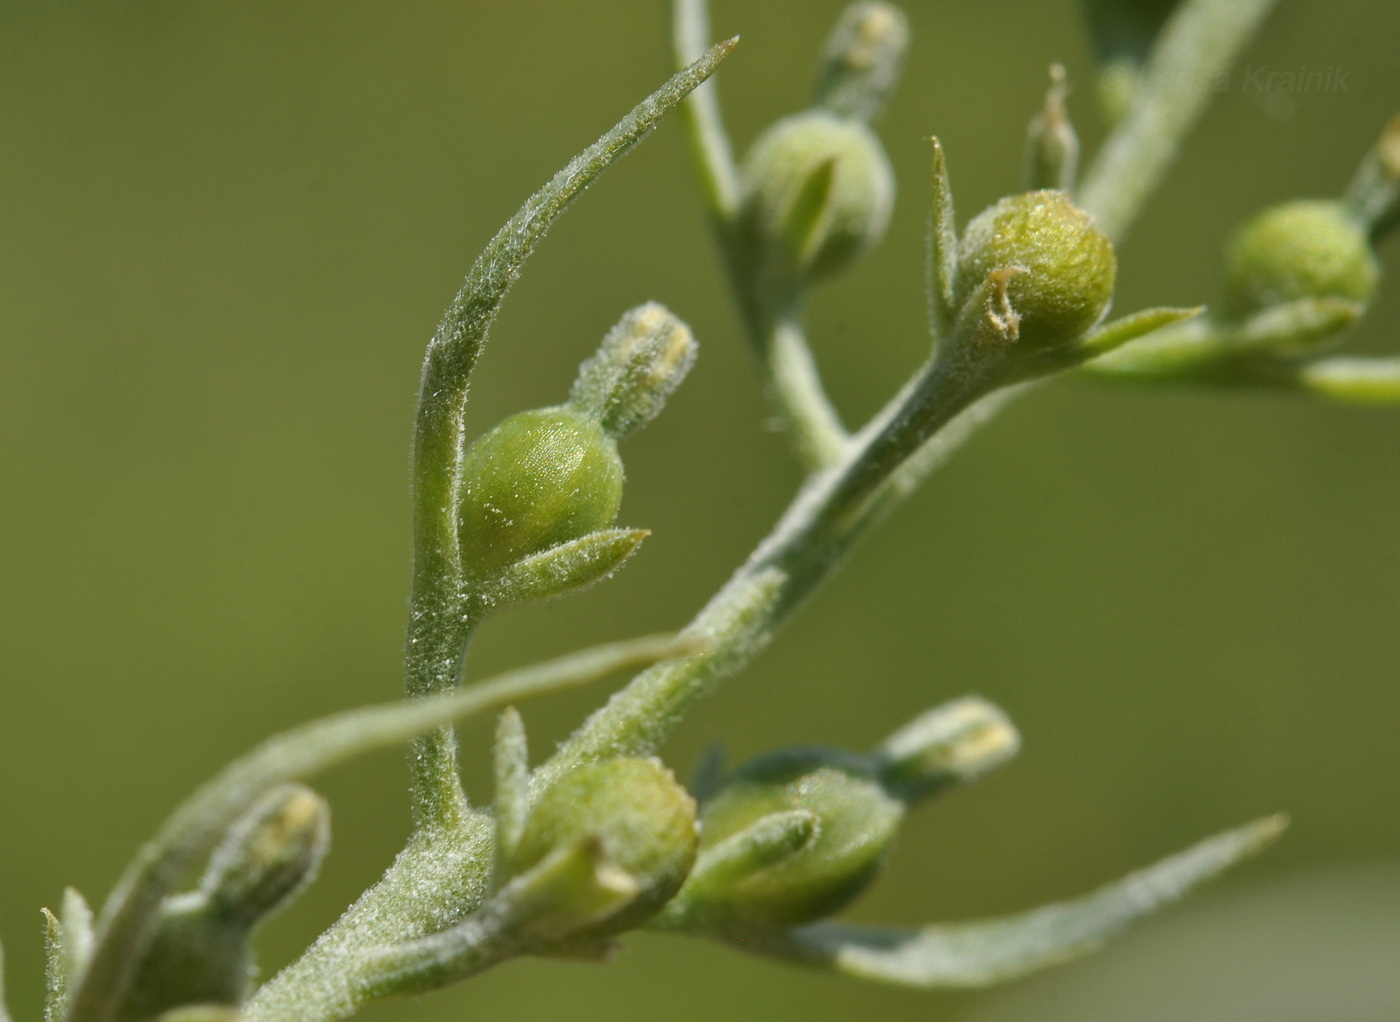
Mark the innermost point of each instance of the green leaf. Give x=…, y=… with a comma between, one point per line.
x=132, y=911
x=942, y=249
x=1120, y=331
x=990, y=951
x=512, y=763
x=55, y=969
x=565, y=568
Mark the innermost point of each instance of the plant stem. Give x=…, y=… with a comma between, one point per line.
x=1196, y=46
x=796, y=386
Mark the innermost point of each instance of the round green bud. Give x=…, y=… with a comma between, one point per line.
x=1307, y=249
x=537, y=479
x=818, y=190
x=644, y=820
x=1068, y=263
x=856, y=821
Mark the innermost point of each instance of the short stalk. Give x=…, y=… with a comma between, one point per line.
x=796, y=386
x=441, y=622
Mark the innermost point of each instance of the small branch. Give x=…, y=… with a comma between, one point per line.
x=1198, y=44
x=815, y=425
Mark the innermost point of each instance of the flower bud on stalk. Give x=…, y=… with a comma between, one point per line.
x=950, y=744
x=1314, y=248
x=200, y=954
x=818, y=191
x=551, y=476
x=862, y=60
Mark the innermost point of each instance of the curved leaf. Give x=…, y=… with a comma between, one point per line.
x=990, y=951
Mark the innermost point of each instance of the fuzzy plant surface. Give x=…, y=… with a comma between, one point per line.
x=600, y=838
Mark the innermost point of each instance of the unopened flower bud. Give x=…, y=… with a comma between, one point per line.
x=640, y=362
x=950, y=744
x=862, y=59
x=818, y=190
x=831, y=823
x=1067, y=265
x=269, y=855
x=1312, y=248
x=643, y=824
x=537, y=479
x=199, y=954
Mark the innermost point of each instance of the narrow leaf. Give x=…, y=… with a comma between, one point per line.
x=131, y=912
x=77, y=929
x=512, y=764
x=1298, y=326
x=55, y=971
x=1120, y=331
x=980, y=953
x=767, y=842
x=566, y=568
x=942, y=253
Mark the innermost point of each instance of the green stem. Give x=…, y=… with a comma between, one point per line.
x=1195, y=47
x=817, y=432
x=719, y=178
x=441, y=622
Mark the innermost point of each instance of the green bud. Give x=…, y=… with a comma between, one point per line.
x=1052, y=147
x=1067, y=265
x=949, y=745
x=812, y=825
x=1312, y=248
x=818, y=190
x=200, y=953
x=269, y=855
x=862, y=59
x=640, y=362
x=643, y=824
x=539, y=478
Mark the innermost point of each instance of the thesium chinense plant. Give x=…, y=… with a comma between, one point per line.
x=599, y=837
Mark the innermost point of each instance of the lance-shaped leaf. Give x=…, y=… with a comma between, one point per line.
x=1119, y=332
x=942, y=249
x=990, y=951
x=565, y=568
x=132, y=911
x=512, y=768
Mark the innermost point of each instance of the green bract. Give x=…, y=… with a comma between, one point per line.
x=1312, y=248
x=818, y=190
x=1068, y=264
x=537, y=479
x=634, y=808
x=855, y=821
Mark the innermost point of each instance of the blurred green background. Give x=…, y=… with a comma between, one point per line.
x=227, y=230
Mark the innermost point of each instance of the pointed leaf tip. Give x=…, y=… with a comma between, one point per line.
x=990, y=951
